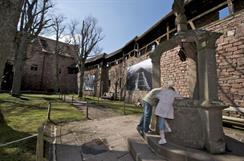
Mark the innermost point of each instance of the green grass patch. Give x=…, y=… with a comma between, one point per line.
x=117, y=106
x=23, y=116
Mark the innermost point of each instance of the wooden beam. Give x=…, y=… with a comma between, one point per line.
x=193, y=27
x=191, y=21
x=230, y=6
x=209, y=11
x=158, y=39
x=167, y=31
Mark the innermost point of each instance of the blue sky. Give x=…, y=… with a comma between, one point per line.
x=121, y=20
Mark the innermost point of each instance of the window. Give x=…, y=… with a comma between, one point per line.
x=34, y=67
x=44, y=43
x=223, y=13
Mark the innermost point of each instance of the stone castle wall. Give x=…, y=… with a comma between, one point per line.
x=172, y=69
x=230, y=58
x=43, y=79
x=230, y=64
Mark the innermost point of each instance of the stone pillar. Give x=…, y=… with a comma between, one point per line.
x=156, y=79
x=213, y=129
x=207, y=70
x=211, y=112
x=179, y=11
x=156, y=72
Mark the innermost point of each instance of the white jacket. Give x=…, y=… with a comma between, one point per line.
x=165, y=107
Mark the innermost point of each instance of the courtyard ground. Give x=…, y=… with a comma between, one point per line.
x=104, y=136
x=96, y=140
x=23, y=116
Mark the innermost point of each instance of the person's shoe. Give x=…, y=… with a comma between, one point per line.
x=139, y=131
x=162, y=141
x=150, y=132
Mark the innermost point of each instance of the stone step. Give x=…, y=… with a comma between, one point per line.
x=174, y=152
x=140, y=150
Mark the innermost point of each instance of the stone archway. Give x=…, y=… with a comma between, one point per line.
x=202, y=112
x=205, y=88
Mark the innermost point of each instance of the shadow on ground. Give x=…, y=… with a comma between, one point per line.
x=234, y=146
x=24, y=150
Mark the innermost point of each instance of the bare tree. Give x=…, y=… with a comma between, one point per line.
x=85, y=41
x=58, y=28
x=32, y=21
x=9, y=15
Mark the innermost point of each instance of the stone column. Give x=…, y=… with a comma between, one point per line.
x=207, y=70
x=156, y=79
x=211, y=113
x=213, y=129
x=156, y=72
x=179, y=11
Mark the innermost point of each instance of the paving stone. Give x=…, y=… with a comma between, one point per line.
x=141, y=151
x=175, y=152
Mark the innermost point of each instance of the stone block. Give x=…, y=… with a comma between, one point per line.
x=241, y=92
x=197, y=127
x=231, y=33
x=240, y=61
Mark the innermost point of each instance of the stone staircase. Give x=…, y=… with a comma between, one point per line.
x=148, y=149
x=140, y=150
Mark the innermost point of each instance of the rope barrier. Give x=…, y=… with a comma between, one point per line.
x=16, y=141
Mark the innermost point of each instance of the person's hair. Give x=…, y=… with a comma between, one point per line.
x=172, y=88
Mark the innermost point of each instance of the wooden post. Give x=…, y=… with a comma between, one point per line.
x=193, y=27
x=101, y=89
x=124, y=99
x=49, y=111
x=40, y=145
x=64, y=97
x=230, y=7
x=124, y=107
x=72, y=101
x=87, y=114
x=98, y=100
x=168, y=36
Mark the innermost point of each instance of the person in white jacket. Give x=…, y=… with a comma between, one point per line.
x=164, y=110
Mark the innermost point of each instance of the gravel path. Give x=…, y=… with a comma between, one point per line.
x=96, y=140
x=94, y=111
x=103, y=137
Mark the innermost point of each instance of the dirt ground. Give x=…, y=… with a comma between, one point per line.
x=94, y=111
